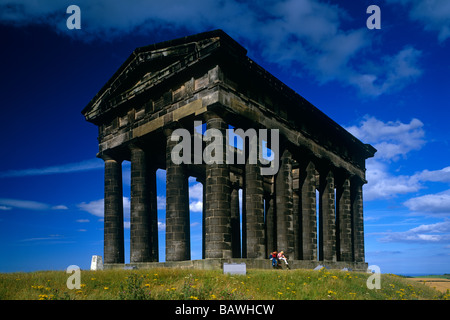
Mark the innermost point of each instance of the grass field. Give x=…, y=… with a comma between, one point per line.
x=178, y=284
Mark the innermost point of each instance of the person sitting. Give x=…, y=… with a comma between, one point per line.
x=281, y=256
x=274, y=258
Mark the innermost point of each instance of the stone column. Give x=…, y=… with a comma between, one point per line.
x=357, y=219
x=297, y=222
x=284, y=205
x=343, y=220
x=178, y=246
x=327, y=215
x=113, y=218
x=254, y=203
x=309, y=211
x=139, y=207
x=270, y=224
x=218, y=191
x=235, y=224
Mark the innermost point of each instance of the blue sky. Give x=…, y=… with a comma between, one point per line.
x=389, y=87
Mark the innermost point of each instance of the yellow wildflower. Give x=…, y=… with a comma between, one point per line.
x=105, y=288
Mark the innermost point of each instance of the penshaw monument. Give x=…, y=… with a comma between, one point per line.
x=303, y=196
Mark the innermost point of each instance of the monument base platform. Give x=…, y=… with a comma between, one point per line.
x=217, y=264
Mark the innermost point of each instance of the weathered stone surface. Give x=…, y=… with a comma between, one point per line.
x=113, y=218
x=218, y=198
x=177, y=208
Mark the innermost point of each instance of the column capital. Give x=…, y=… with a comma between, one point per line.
x=135, y=145
x=171, y=127
x=208, y=115
x=109, y=157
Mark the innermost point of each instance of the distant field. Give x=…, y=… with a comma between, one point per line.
x=438, y=282
x=434, y=276
x=177, y=284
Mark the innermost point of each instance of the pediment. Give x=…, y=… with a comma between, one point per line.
x=147, y=65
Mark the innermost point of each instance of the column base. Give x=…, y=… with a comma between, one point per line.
x=217, y=264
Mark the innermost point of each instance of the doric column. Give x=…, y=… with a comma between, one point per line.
x=298, y=250
x=254, y=203
x=113, y=218
x=284, y=205
x=327, y=215
x=178, y=246
x=343, y=219
x=139, y=207
x=357, y=219
x=218, y=191
x=307, y=186
x=270, y=224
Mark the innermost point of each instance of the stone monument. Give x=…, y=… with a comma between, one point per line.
x=311, y=207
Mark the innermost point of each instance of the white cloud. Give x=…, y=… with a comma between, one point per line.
x=64, y=168
x=392, y=139
x=442, y=175
x=438, y=204
x=392, y=74
x=60, y=207
x=383, y=185
x=196, y=206
x=9, y=204
x=196, y=197
x=96, y=207
x=196, y=191
x=82, y=220
x=161, y=202
x=431, y=233
x=433, y=14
